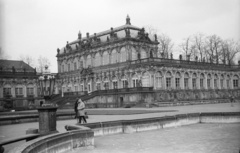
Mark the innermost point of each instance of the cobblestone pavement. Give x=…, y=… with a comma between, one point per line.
x=9, y=131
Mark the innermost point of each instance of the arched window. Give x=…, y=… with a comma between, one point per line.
x=97, y=59
x=134, y=54
x=168, y=80
x=228, y=81
x=124, y=82
x=158, y=80
x=145, y=80
x=89, y=62
x=215, y=81
x=221, y=81
x=235, y=81
x=81, y=63
x=135, y=82
x=143, y=53
x=114, y=57
x=98, y=84
x=115, y=82
x=123, y=55
x=106, y=83
x=177, y=80
x=105, y=58
x=201, y=81
x=209, y=81
x=194, y=81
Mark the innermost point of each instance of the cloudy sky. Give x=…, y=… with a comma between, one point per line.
x=38, y=27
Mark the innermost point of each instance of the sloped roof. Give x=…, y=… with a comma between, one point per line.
x=8, y=64
x=102, y=36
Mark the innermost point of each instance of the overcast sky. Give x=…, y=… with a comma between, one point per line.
x=39, y=27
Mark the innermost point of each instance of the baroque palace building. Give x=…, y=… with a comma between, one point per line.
x=18, y=85
x=126, y=57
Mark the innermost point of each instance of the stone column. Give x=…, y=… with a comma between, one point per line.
x=47, y=120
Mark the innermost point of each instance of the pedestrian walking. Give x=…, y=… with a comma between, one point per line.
x=81, y=111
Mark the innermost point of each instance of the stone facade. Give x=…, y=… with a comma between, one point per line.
x=18, y=85
x=127, y=57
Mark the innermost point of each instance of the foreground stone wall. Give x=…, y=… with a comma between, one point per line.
x=57, y=143
x=146, y=124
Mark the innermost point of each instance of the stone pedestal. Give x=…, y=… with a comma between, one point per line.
x=47, y=120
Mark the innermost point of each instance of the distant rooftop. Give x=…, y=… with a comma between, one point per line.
x=9, y=64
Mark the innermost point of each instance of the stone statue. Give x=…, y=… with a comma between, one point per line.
x=58, y=50
x=156, y=38
x=151, y=54
x=180, y=57
x=196, y=58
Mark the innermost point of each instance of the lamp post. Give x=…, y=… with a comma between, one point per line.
x=47, y=111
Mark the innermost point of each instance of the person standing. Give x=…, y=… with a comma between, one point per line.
x=81, y=111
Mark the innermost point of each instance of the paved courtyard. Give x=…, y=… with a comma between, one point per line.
x=9, y=131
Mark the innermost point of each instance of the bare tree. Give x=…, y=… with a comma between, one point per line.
x=198, y=41
x=42, y=62
x=230, y=49
x=151, y=30
x=213, y=48
x=165, y=45
x=165, y=42
x=28, y=59
x=187, y=48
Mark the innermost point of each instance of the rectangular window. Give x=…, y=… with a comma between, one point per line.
x=89, y=88
x=201, y=83
x=124, y=83
x=98, y=86
x=106, y=85
x=194, y=83
x=235, y=83
x=168, y=83
x=6, y=91
x=29, y=91
x=19, y=91
x=115, y=85
x=76, y=88
x=177, y=81
x=82, y=87
x=186, y=83
x=208, y=83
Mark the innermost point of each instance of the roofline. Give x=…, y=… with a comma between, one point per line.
x=107, y=32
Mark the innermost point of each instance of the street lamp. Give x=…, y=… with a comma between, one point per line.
x=47, y=83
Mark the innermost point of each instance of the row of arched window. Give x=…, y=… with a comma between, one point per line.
x=105, y=58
